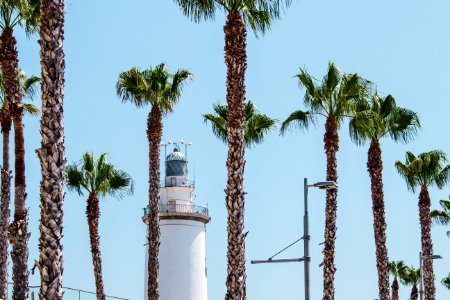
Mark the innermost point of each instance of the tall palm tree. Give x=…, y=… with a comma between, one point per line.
x=51, y=153
x=396, y=268
x=411, y=276
x=258, y=15
x=28, y=87
x=161, y=90
x=381, y=117
x=333, y=99
x=425, y=170
x=442, y=217
x=99, y=178
x=257, y=125
x=17, y=13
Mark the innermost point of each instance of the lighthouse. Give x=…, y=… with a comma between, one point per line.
x=182, y=252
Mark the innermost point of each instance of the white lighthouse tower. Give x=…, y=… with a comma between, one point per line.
x=182, y=252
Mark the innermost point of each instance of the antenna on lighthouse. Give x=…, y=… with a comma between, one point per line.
x=165, y=153
x=186, y=145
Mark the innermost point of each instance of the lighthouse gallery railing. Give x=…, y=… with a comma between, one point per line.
x=181, y=208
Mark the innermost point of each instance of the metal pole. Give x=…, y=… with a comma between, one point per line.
x=306, y=239
x=420, y=277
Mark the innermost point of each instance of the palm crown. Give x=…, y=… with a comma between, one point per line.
x=29, y=90
x=256, y=126
x=427, y=169
x=381, y=117
x=98, y=176
x=409, y=275
x=396, y=268
x=257, y=14
x=334, y=97
x=154, y=86
x=20, y=12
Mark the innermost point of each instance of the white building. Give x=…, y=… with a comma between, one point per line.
x=182, y=252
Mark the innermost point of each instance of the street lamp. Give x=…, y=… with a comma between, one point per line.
x=306, y=237
x=421, y=258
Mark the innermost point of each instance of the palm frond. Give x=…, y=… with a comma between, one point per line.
x=30, y=86
x=300, y=119
x=446, y=281
x=405, y=172
x=74, y=178
x=218, y=123
x=198, y=10
x=440, y=217
x=31, y=109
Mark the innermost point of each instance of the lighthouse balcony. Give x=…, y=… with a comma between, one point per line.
x=177, y=182
x=181, y=211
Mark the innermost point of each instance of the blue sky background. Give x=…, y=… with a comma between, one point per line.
x=403, y=46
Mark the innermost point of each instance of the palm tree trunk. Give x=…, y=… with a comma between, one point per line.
x=154, y=134
x=331, y=143
x=93, y=216
x=51, y=153
x=19, y=228
x=427, y=244
x=375, y=168
x=5, y=211
x=395, y=289
x=414, y=293
x=236, y=61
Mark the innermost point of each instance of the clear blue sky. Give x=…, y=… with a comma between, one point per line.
x=403, y=46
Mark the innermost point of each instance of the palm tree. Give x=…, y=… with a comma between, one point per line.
x=371, y=122
x=425, y=170
x=14, y=13
x=257, y=125
x=161, y=90
x=99, y=178
x=28, y=86
x=446, y=281
x=51, y=153
x=332, y=99
x=396, y=268
x=258, y=15
x=411, y=276
x=442, y=217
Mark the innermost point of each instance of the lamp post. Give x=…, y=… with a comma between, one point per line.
x=306, y=237
x=421, y=258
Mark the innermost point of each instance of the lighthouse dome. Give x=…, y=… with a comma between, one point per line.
x=176, y=155
x=176, y=164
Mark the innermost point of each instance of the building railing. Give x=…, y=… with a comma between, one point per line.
x=170, y=183
x=68, y=294
x=181, y=208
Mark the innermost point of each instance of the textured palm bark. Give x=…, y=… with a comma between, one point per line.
x=236, y=61
x=427, y=244
x=4, y=206
x=375, y=168
x=395, y=288
x=331, y=145
x=414, y=293
x=93, y=217
x=51, y=152
x=154, y=134
x=18, y=230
